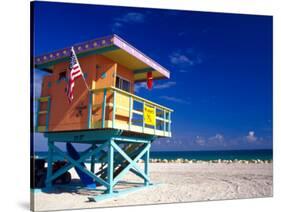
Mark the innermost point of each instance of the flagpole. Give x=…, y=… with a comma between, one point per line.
x=72, y=48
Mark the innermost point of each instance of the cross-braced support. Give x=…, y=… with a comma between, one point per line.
x=121, y=155
x=72, y=163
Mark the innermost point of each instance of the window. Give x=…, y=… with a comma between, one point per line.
x=123, y=84
x=62, y=75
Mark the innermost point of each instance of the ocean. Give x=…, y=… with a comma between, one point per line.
x=200, y=155
x=215, y=155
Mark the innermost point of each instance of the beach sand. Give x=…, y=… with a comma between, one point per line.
x=176, y=182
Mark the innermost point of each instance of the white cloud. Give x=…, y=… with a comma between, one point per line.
x=164, y=85
x=175, y=99
x=168, y=141
x=200, y=141
x=251, y=137
x=117, y=25
x=132, y=17
x=177, y=58
x=142, y=85
x=139, y=86
x=183, y=70
x=183, y=59
x=217, y=137
x=217, y=140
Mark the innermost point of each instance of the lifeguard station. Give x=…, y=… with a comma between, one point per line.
x=119, y=125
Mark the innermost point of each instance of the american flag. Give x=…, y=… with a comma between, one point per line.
x=74, y=73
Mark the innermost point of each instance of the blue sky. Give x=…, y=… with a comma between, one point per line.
x=220, y=64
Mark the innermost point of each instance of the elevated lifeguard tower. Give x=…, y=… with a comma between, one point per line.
x=119, y=125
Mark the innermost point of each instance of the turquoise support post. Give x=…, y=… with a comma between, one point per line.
x=146, y=165
x=50, y=162
x=90, y=107
x=93, y=160
x=110, y=158
x=103, y=108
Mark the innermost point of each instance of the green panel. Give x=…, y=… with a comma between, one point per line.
x=143, y=70
x=82, y=136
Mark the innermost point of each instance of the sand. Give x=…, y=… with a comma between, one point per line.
x=176, y=182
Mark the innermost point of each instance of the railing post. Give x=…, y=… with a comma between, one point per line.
x=114, y=109
x=130, y=112
x=110, y=164
x=155, y=120
x=90, y=107
x=164, y=122
x=103, y=108
x=169, y=123
x=50, y=164
x=143, y=123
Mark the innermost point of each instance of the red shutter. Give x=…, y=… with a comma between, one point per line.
x=149, y=80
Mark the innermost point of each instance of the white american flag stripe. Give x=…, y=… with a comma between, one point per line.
x=75, y=72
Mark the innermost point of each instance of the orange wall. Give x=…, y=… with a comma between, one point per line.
x=74, y=115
